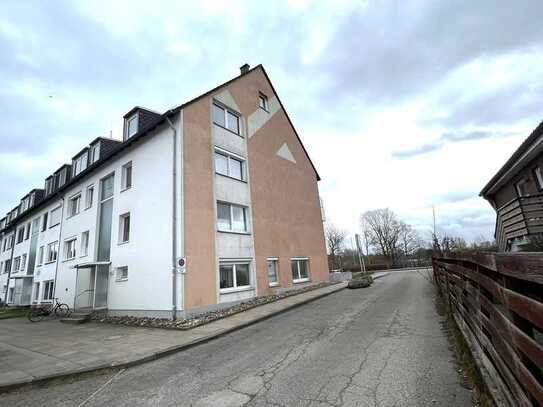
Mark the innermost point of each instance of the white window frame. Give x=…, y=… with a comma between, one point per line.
x=124, y=178
x=135, y=117
x=71, y=200
x=235, y=287
x=48, y=293
x=51, y=219
x=227, y=110
x=16, y=265
x=23, y=262
x=121, y=273
x=122, y=220
x=297, y=260
x=539, y=177
x=245, y=215
x=229, y=157
x=89, y=196
x=49, y=251
x=94, y=153
x=70, y=248
x=518, y=188
x=276, y=261
x=84, y=249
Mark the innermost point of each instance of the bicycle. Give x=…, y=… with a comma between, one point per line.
x=58, y=309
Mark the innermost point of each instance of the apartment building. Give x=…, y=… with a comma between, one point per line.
x=210, y=203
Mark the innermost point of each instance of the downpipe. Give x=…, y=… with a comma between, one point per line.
x=174, y=219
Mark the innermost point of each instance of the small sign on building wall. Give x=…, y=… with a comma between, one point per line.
x=182, y=264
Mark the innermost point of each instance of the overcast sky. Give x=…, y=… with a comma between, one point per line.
x=400, y=104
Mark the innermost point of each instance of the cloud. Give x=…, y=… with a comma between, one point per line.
x=443, y=140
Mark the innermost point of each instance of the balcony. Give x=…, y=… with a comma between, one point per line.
x=519, y=217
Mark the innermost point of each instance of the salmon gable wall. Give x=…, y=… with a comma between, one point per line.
x=287, y=220
x=199, y=208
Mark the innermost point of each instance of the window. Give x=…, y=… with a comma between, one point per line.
x=79, y=164
x=231, y=218
x=539, y=177
x=27, y=231
x=73, y=205
x=132, y=126
x=263, y=102
x=94, y=153
x=52, y=252
x=89, y=196
x=299, y=270
x=23, y=262
x=7, y=266
x=54, y=218
x=85, y=243
x=62, y=177
x=272, y=265
x=40, y=256
x=521, y=188
x=228, y=165
x=124, y=228
x=44, y=222
x=126, y=179
x=225, y=118
x=20, y=234
x=16, y=264
x=235, y=275
x=70, y=248
x=121, y=274
x=36, y=292
x=48, y=288
x=48, y=185
x=11, y=295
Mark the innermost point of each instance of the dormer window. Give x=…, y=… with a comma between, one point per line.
x=79, y=164
x=131, y=125
x=94, y=153
x=263, y=102
x=49, y=185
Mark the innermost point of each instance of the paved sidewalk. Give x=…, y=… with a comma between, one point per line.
x=33, y=352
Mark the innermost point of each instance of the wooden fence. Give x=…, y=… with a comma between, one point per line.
x=497, y=302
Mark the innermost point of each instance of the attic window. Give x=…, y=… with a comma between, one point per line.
x=132, y=125
x=263, y=102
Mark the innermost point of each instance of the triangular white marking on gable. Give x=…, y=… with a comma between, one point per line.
x=226, y=98
x=284, y=152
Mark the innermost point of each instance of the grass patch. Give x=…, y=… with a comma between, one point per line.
x=13, y=313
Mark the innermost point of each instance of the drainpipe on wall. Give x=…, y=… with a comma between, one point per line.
x=58, y=249
x=174, y=220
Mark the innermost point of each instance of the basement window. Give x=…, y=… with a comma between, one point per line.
x=300, y=270
x=234, y=275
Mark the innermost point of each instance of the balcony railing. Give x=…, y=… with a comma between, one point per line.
x=520, y=217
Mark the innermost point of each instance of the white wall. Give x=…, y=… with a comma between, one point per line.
x=148, y=253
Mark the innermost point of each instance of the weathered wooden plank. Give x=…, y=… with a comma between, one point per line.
x=525, y=266
x=514, y=336
x=513, y=384
x=528, y=308
x=511, y=358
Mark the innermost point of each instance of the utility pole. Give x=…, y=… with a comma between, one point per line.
x=360, y=258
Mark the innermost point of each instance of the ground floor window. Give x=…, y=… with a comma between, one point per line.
x=234, y=275
x=272, y=266
x=300, y=270
x=48, y=287
x=11, y=294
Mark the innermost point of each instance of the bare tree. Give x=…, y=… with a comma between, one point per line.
x=410, y=240
x=384, y=231
x=335, y=239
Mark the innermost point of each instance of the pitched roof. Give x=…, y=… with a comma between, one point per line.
x=516, y=158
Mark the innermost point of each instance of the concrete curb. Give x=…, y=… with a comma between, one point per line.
x=163, y=353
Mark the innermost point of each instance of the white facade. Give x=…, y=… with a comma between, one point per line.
x=137, y=277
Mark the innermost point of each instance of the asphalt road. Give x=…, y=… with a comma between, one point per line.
x=379, y=346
